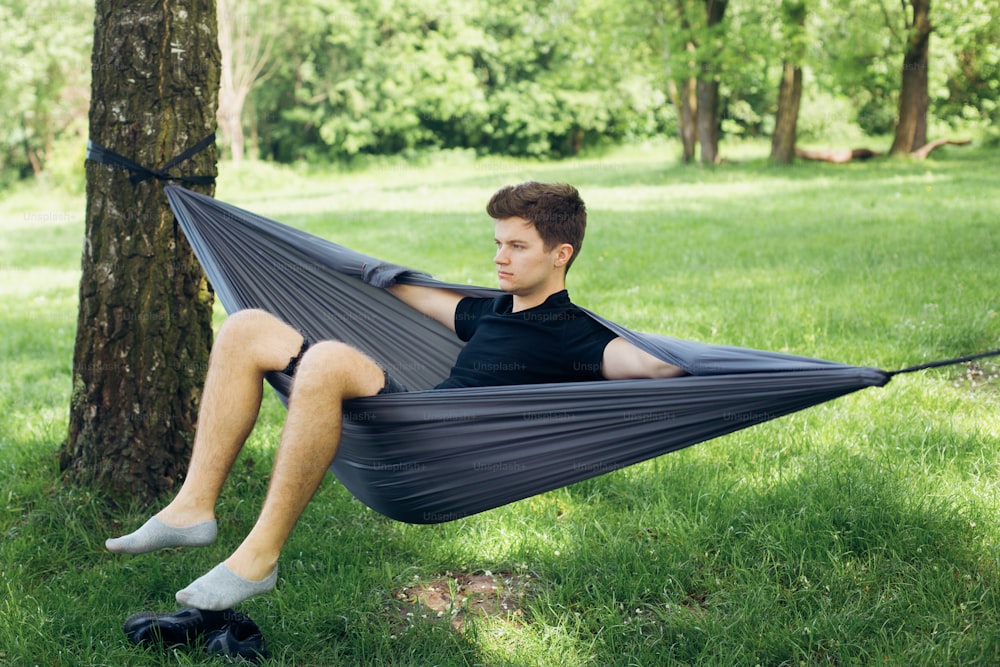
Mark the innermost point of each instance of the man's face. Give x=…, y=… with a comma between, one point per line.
x=524, y=265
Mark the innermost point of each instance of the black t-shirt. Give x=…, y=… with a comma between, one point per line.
x=552, y=342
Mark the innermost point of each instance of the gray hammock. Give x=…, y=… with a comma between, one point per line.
x=429, y=456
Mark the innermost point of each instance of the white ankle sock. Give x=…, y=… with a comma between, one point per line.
x=222, y=589
x=154, y=534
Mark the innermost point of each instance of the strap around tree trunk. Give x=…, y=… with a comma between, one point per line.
x=103, y=155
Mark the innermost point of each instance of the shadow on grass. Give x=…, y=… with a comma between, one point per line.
x=840, y=562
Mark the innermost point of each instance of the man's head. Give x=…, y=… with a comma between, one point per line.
x=555, y=209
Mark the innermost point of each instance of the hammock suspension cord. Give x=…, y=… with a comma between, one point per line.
x=944, y=362
x=102, y=155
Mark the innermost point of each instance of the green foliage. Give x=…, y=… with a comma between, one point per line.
x=750, y=66
x=859, y=55
x=829, y=118
x=858, y=52
x=967, y=88
x=44, y=80
x=349, y=79
x=401, y=76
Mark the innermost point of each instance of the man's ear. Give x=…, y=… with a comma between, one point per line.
x=564, y=253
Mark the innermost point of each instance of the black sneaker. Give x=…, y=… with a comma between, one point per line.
x=240, y=638
x=179, y=627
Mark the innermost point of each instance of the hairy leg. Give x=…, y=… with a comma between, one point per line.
x=329, y=374
x=250, y=343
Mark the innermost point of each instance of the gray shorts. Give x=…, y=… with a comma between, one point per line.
x=392, y=385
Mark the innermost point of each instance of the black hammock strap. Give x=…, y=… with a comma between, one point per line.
x=944, y=362
x=428, y=456
x=102, y=155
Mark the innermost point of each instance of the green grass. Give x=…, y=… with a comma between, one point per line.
x=862, y=531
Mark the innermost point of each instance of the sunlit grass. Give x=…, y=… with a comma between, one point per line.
x=861, y=531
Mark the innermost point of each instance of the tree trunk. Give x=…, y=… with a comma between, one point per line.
x=682, y=88
x=685, y=102
x=787, y=117
x=790, y=91
x=911, y=126
x=708, y=121
x=708, y=90
x=244, y=55
x=687, y=118
x=145, y=313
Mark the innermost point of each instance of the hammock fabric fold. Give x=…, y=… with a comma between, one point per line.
x=429, y=456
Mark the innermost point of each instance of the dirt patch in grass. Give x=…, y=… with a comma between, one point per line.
x=454, y=598
x=983, y=376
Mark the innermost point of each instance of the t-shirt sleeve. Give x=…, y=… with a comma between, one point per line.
x=468, y=313
x=586, y=344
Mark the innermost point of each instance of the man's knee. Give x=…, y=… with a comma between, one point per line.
x=339, y=366
x=244, y=324
x=260, y=337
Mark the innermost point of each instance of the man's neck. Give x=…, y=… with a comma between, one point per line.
x=526, y=301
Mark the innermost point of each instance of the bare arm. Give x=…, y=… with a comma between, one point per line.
x=624, y=361
x=434, y=302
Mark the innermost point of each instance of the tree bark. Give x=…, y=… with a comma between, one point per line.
x=911, y=126
x=708, y=121
x=145, y=309
x=790, y=91
x=708, y=90
x=685, y=102
x=34, y=159
x=687, y=126
x=787, y=117
x=682, y=89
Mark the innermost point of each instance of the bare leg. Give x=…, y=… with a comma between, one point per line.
x=250, y=343
x=329, y=374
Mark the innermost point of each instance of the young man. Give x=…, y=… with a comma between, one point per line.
x=531, y=334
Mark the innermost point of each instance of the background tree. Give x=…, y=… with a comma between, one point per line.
x=708, y=82
x=793, y=38
x=144, y=326
x=966, y=78
x=691, y=44
x=44, y=74
x=673, y=38
x=854, y=62
x=245, y=45
x=543, y=78
x=911, y=123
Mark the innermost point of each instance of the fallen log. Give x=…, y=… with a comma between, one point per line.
x=926, y=149
x=841, y=156
x=837, y=156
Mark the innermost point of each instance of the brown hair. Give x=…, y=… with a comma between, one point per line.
x=555, y=209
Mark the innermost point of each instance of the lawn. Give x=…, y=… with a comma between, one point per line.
x=862, y=531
